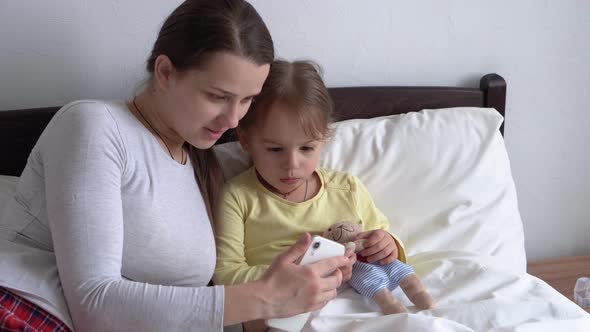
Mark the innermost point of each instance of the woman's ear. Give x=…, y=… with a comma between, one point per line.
x=164, y=72
x=242, y=137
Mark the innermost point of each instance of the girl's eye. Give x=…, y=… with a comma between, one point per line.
x=307, y=148
x=274, y=149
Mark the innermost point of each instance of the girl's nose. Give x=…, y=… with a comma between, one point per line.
x=291, y=161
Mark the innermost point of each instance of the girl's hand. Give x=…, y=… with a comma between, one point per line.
x=289, y=289
x=379, y=246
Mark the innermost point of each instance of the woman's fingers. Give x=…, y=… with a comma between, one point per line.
x=327, y=266
x=349, y=252
x=294, y=288
x=328, y=286
x=323, y=300
x=296, y=251
x=331, y=282
x=346, y=275
x=320, y=291
x=327, y=296
x=347, y=270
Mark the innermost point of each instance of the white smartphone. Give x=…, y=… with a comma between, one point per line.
x=320, y=248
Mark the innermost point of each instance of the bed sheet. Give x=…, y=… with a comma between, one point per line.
x=472, y=293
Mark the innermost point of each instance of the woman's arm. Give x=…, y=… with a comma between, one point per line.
x=84, y=160
x=286, y=289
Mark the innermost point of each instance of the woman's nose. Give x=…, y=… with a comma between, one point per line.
x=232, y=115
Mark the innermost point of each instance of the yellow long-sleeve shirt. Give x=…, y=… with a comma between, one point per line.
x=254, y=225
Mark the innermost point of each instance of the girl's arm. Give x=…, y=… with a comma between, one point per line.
x=373, y=218
x=232, y=267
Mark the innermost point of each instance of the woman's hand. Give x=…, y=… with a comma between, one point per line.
x=347, y=269
x=290, y=289
x=379, y=246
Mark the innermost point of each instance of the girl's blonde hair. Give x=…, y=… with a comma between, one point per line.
x=299, y=85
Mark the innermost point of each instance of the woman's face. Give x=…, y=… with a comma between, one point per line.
x=201, y=104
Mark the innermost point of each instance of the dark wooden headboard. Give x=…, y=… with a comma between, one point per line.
x=20, y=129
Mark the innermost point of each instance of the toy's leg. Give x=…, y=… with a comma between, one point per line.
x=388, y=303
x=416, y=292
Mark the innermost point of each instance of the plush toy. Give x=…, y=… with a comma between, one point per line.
x=377, y=281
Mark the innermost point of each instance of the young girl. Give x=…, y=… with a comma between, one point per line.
x=265, y=209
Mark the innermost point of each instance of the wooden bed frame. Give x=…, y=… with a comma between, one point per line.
x=20, y=129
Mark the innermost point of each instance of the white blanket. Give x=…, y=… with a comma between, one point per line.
x=444, y=181
x=472, y=295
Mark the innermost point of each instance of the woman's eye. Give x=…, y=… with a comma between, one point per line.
x=218, y=97
x=246, y=100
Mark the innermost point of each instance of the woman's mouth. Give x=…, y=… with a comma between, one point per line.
x=214, y=134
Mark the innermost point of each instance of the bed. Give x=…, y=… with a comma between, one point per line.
x=434, y=160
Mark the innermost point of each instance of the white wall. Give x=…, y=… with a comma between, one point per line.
x=52, y=52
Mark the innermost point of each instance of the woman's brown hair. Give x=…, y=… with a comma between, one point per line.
x=299, y=85
x=194, y=31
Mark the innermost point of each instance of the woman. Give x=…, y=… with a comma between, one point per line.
x=108, y=199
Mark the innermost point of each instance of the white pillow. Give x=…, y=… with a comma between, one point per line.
x=7, y=189
x=441, y=176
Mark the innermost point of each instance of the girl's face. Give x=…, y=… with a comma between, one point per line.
x=201, y=104
x=283, y=154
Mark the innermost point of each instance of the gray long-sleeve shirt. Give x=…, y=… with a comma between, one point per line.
x=125, y=223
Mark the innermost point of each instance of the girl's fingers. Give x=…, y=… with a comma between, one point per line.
x=371, y=237
x=389, y=250
x=388, y=260
x=378, y=256
x=369, y=251
x=374, y=237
